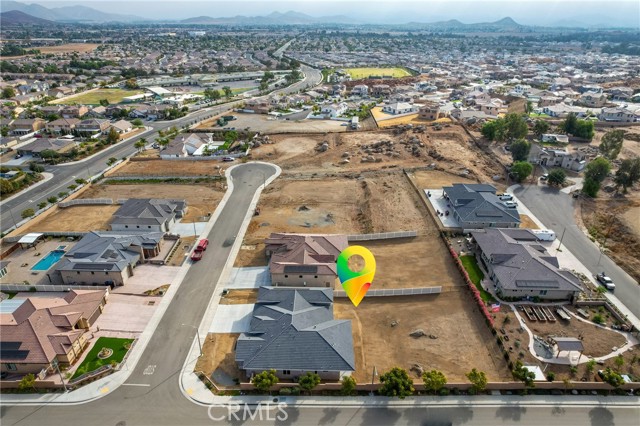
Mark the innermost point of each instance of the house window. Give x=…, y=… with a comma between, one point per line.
x=299, y=276
x=137, y=226
x=286, y=372
x=126, y=226
x=286, y=276
x=11, y=367
x=315, y=276
x=78, y=272
x=543, y=292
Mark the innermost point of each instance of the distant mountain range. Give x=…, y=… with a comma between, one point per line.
x=502, y=25
x=275, y=18
x=15, y=17
x=67, y=13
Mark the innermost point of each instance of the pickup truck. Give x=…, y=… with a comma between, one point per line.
x=196, y=255
x=606, y=281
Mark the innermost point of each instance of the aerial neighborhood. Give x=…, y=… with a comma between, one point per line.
x=177, y=198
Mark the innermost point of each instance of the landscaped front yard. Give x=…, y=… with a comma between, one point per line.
x=475, y=274
x=93, y=361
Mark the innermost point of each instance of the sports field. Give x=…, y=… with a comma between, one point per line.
x=93, y=97
x=360, y=73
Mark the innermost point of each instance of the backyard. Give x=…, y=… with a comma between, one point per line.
x=94, y=359
x=475, y=274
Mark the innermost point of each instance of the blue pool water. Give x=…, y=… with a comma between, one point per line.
x=48, y=261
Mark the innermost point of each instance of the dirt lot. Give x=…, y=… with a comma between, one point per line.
x=218, y=353
x=268, y=124
x=615, y=223
x=172, y=168
x=448, y=149
x=526, y=222
x=69, y=47
x=75, y=219
x=460, y=344
x=240, y=297
x=202, y=199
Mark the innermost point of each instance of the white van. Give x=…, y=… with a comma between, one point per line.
x=544, y=234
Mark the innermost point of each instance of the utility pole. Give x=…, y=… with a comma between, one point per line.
x=560, y=245
x=374, y=374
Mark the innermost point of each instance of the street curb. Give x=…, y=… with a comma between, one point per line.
x=187, y=374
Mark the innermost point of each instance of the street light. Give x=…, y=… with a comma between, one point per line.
x=197, y=334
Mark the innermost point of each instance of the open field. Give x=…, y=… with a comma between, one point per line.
x=219, y=354
x=360, y=73
x=69, y=48
x=385, y=120
x=462, y=342
x=172, y=168
x=201, y=199
x=76, y=219
x=268, y=124
x=114, y=96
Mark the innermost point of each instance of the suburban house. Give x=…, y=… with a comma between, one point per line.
x=360, y=90
x=24, y=126
x=96, y=112
x=621, y=93
x=107, y=258
x=396, y=108
x=186, y=144
x=575, y=161
x=619, y=114
x=74, y=111
x=477, y=206
x=492, y=107
x=60, y=92
x=304, y=260
x=593, y=99
x=520, y=266
x=39, y=333
x=121, y=126
x=292, y=331
x=63, y=125
x=36, y=147
x=258, y=106
x=380, y=90
x=92, y=126
x=554, y=138
x=429, y=111
x=147, y=214
x=334, y=110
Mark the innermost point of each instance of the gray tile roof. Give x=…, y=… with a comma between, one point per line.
x=294, y=329
x=147, y=211
x=520, y=263
x=478, y=203
x=107, y=251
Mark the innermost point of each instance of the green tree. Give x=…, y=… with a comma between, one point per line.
x=598, y=169
x=478, y=380
x=227, y=91
x=584, y=129
x=521, y=170
x=230, y=137
x=619, y=361
x=627, y=174
x=396, y=383
x=131, y=84
x=493, y=130
x=263, y=86
x=4, y=131
x=540, y=127
x=8, y=92
x=53, y=199
x=551, y=376
x=611, y=144
x=434, y=380
x=268, y=76
x=520, y=149
x=28, y=382
x=515, y=126
x=35, y=167
x=42, y=205
x=612, y=377
x=104, y=102
x=521, y=373
x=113, y=136
x=557, y=176
x=591, y=364
x=6, y=187
x=570, y=123
x=215, y=95
x=265, y=380
x=27, y=213
x=348, y=386
x=590, y=187
x=137, y=122
x=139, y=145
x=111, y=161
x=309, y=381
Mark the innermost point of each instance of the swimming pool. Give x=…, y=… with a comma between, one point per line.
x=48, y=261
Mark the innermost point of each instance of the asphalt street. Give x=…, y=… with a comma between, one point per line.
x=556, y=210
x=66, y=174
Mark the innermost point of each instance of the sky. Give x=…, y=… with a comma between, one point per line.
x=540, y=12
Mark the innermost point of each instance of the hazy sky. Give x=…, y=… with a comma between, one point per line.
x=540, y=12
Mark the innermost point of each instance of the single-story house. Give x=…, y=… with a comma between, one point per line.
x=121, y=126
x=36, y=147
x=107, y=258
x=477, y=206
x=293, y=331
x=39, y=333
x=186, y=144
x=520, y=266
x=304, y=260
x=147, y=214
x=396, y=108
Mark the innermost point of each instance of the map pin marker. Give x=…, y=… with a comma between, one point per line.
x=356, y=284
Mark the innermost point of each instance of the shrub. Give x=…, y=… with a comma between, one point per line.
x=52, y=199
x=598, y=319
x=28, y=213
x=285, y=391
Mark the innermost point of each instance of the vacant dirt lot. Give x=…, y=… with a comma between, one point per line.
x=462, y=339
x=219, y=354
x=171, y=168
x=202, y=199
x=69, y=47
x=615, y=223
x=76, y=219
x=240, y=297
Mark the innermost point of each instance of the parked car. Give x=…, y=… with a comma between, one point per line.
x=228, y=159
x=18, y=156
x=606, y=281
x=544, y=176
x=505, y=197
x=510, y=204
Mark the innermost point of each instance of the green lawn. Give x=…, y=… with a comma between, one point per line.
x=360, y=73
x=92, y=362
x=114, y=96
x=475, y=273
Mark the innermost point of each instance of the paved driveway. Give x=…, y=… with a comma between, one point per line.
x=148, y=277
x=249, y=277
x=127, y=313
x=232, y=319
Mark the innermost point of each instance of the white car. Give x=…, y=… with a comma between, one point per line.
x=505, y=197
x=510, y=204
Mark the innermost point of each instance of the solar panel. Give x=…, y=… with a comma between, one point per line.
x=537, y=284
x=300, y=269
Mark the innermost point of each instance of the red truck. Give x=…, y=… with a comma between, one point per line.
x=199, y=250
